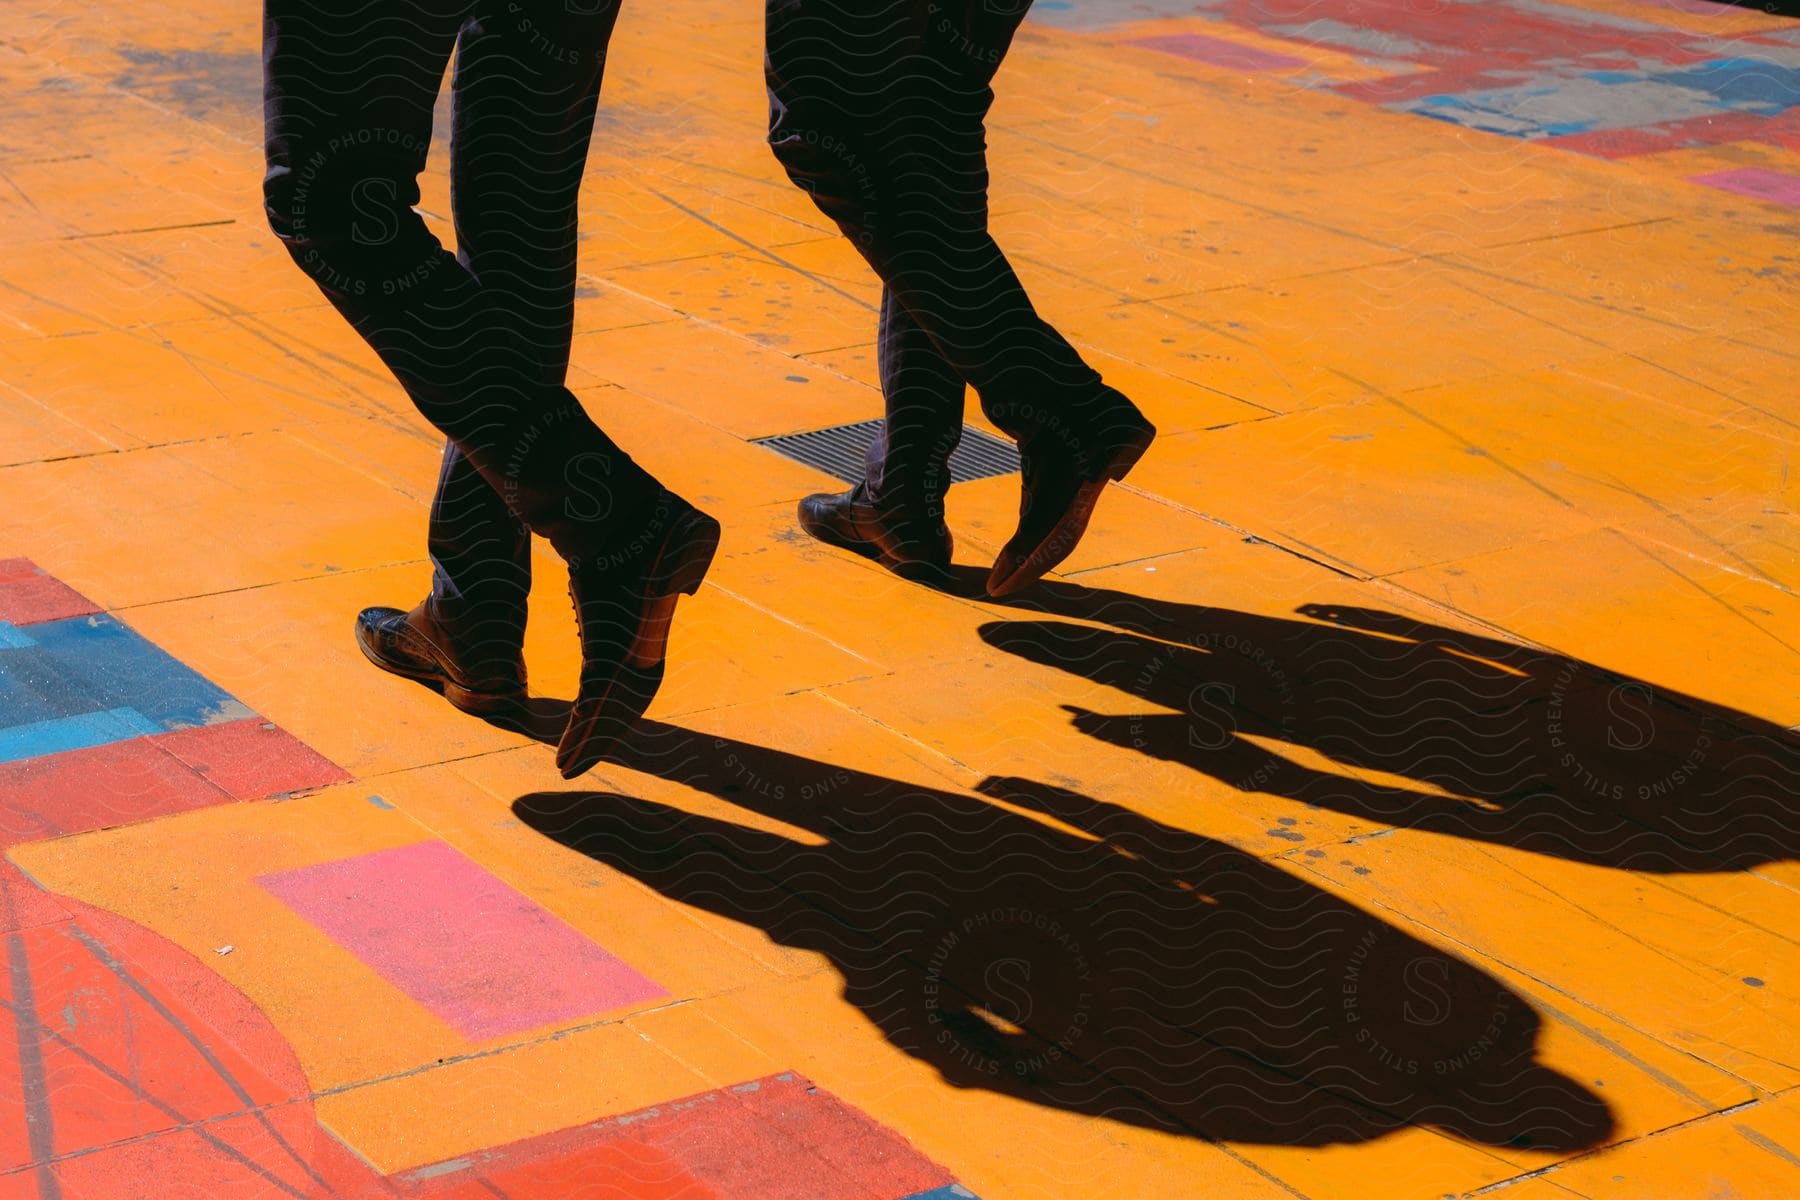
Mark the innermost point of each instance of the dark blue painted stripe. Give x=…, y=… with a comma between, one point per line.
x=12, y=637
x=94, y=664
x=950, y=1191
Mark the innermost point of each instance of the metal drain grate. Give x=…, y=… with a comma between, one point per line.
x=840, y=450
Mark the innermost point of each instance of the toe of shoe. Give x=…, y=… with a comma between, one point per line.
x=376, y=618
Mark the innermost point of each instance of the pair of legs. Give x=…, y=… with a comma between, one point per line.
x=877, y=111
x=480, y=339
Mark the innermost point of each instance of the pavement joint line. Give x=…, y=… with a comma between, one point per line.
x=1749, y=570
x=794, y=624
x=82, y=237
x=1769, y=1144
x=1131, y=562
x=1400, y=919
x=122, y=450
x=762, y=250
x=555, y=1035
x=272, y=583
x=1662, y=881
x=1611, y=1147
x=908, y=738
x=1467, y=445
x=1733, y=609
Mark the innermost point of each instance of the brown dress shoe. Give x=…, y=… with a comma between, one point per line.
x=915, y=547
x=624, y=604
x=414, y=645
x=1064, y=466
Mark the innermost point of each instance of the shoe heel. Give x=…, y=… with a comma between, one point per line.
x=479, y=704
x=1121, y=463
x=692, y=545
x=678, y=575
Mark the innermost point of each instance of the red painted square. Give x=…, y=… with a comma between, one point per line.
x=865, y=1159
x=251, y=759
x=778, y=1138
x=484, y=958
x=28, y=595
x=611, y=1170
x=96, y=787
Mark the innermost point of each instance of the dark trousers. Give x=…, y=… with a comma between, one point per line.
x=877, y=111
x=480, y=339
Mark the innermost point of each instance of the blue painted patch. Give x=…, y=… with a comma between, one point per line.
x=1751, y=84
x=72, y=733
x=93, y=664
x=950, y=1191
x=13, y=638
x=1614, y=76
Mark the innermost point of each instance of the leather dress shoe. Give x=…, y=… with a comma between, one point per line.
x=624, y=604
x=1065, y=463
x=415, y=645
x=914, y=547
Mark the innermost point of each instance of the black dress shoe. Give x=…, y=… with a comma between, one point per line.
x=1064, y=465
x=915, y=546
x=415, y=645
x=624, y=603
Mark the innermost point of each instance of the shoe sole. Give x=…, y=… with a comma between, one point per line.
x=1063, y=537
x=476, y=704
x=593, y=732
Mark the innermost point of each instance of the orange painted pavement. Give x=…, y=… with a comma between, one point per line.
x=1454, y=612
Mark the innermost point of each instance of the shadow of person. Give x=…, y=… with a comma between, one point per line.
x=1070, y=952
x=1439, y=729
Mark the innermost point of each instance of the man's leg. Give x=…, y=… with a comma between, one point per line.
x=897, y=158
x=896, y=514
x=524, y=94
x=348, y=100
x=349, y=88
x=892, y=147
x=909, y=459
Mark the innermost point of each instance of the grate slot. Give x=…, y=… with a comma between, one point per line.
x=840, y=450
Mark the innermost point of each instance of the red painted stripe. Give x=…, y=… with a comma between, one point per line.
x=1717, y=129
x=251, y=759
x=28, y=595
x=1219, y=52
x=98, y=786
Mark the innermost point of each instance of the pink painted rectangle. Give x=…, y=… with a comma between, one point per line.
x=1220, y=53
x=1707, y=8
x=1759, y=182
x=484, y=958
